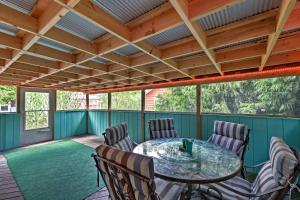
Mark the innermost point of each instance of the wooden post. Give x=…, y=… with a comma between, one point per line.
x=109, y=109
x=198, y=112
x=143, y=115
x=87, y=108
x=18, y=100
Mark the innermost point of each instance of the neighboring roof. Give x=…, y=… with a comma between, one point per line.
x=98, y=46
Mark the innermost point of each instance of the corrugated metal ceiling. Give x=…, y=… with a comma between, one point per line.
x=174, y=34
x=39, y=56
x=127, y=50
x=101, y=60
x=79, y=26
x=127, y=10
x=252, y=41
x=237, y=12
x=7, y=29
x=24, y=6
x=55, y=45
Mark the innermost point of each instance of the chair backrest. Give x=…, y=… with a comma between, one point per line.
x=231, y=136
x=162, y=128
x=118, y=137
x=282, y=168
x=127, y=175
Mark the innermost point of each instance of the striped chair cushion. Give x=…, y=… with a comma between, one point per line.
x=118, y=137
x=227, y=143
x=235, y=183
x=116, y=133
x=106, y=178
x=264, y=182
x=162, y=128
x=283, y=160
x=140, y=164
x=231, y=130
x=124, y=144
x=168, y=190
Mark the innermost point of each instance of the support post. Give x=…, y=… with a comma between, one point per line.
x=143, y=115
x=87, y=108
x=18, y=102
x=109, y=110
x=198, y=112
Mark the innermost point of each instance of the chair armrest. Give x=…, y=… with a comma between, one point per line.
x=255, y=166
x=134, y=144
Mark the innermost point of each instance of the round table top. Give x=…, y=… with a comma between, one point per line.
x=208, y=163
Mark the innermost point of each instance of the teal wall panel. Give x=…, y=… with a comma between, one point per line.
x=185, y=123
x=133, y=120
x=261, y=130
x=9, y=131
x=97, y=121
x=69, y=123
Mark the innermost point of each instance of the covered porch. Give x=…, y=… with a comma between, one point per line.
x=70, y=69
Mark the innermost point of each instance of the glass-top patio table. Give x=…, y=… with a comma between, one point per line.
x=208, y=163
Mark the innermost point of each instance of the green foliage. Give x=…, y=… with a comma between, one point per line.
x=69, y=100
x=130, y=100
x=36, y=107
x=264, y=96
x=177, y=99
x=8, y=95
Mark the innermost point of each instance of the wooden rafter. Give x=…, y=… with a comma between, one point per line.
x=79, y=71
x=182, y=8
x=284, y=11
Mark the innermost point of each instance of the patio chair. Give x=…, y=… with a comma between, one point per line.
x=162, y=128
x=273, y=181
x=131, y=176
x=231, y=136
x=118, y=137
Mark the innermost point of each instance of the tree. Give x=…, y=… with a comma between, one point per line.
x=180, y=99
x=130, y=100
x=263, y=96
x=8, y=95
x=69, y=100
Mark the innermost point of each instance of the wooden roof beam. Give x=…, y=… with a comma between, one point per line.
x=100, y=18
x=182, y=8
x=40, y=25
x=285, y=10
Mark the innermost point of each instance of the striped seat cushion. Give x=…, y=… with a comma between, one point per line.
x=141, y=165
x=124, y=144
x=264, y=182
x=162, y=128
x=231, y=130
x=118, y=137
x=235, y=183
x=283, y=160
x=231, y=136
x=227, y=143
x=168, y=190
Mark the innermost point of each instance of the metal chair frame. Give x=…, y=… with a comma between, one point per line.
x=281, y=189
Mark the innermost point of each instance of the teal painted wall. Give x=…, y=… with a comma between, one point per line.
x=261, y=131
x=9, y=131
x=185, y=123
x=69, y=123
x=133, y=119
x=97, y=121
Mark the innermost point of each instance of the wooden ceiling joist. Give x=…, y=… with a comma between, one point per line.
x=285, y=10
x=237, y=46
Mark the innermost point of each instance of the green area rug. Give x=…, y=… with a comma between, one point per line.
x=60, y=170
